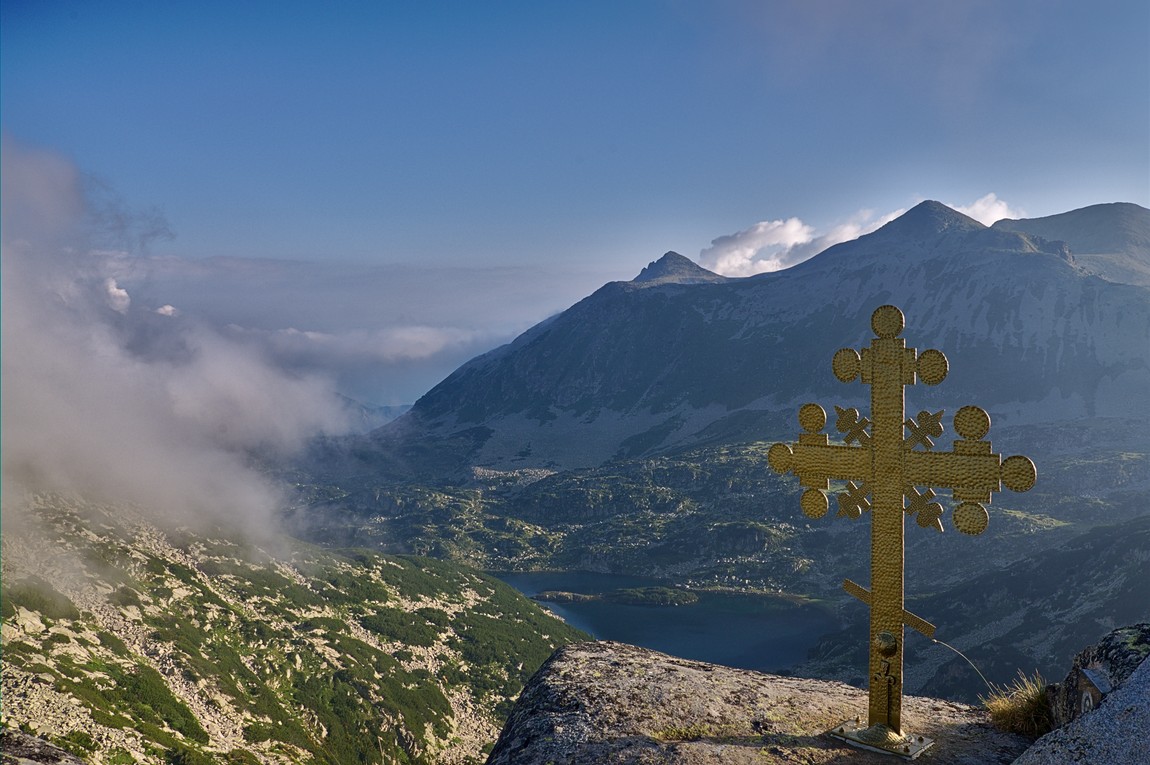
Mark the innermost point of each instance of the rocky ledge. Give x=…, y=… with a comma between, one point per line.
x=1102, y=707
x=603, y=702
x=19, y=748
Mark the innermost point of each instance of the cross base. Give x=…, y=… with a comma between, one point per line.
x=880, y=738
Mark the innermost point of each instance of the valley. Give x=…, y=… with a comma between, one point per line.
x=718, y=519
x=612, y=462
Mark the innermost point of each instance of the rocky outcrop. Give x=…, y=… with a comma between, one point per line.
x=1114, y=733
x=673, y=268
x=601, y=703
x=18, y=748
x=1098, y=671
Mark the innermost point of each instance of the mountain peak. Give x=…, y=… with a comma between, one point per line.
x=673, y=268
x=930, y=218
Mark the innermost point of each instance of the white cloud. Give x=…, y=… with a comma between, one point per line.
x=387, y=332
x=989, y=209
x=118, y=298
x=775, y=245
x=764, y=246
x=359, y=346
x=778, y=244
x=116, y=403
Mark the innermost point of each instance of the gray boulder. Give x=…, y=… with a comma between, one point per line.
x=1117, y=732
x=18, y=748
x=1098, y=671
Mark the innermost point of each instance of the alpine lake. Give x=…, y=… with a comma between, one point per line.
x=737, y=629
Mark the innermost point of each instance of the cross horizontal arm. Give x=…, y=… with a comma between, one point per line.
x=969, y=473
x=816, y=464
x=909, y=619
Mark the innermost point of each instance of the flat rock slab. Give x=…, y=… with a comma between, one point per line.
x=602, y=702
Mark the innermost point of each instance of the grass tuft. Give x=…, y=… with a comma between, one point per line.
x=1020, y=706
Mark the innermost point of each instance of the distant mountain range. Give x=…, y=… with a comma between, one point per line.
x=1042, y=320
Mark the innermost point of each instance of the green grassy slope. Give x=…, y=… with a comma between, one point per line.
x=125, y=643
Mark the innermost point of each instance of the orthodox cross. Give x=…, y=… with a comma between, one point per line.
x=883, y=466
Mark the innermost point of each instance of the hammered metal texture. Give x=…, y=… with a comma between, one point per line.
x=888, y=463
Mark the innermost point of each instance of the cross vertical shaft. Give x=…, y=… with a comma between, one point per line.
x=883, y=366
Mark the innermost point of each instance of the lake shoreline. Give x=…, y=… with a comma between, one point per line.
x=738, y=627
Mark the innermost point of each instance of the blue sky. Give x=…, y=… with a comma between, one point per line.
x=551, y=145
x=468, y=132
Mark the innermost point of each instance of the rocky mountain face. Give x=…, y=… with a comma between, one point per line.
x=1098, y=671
x=1112, y=241
x=124, y=642
x=1101, y=710
x=678, y=357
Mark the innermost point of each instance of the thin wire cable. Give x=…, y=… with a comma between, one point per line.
x=989, y=687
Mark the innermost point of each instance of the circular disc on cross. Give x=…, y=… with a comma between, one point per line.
x=972, y=423
x=1019, y=473
x=847, y=364
x=971, y=518
x=812, y=418
x=887, y=321
x=932, y=366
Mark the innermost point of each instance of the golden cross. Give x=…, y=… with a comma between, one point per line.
x=888, y=464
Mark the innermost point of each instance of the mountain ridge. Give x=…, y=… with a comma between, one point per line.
x=635, y=368
x=1110, y=240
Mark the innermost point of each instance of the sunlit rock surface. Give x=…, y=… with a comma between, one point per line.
x=603, y=702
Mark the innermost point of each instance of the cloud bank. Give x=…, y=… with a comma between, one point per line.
x=116, y=401
x=773, y=245
x=989, y=209
x=778, y=244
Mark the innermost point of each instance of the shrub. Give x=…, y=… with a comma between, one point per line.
x=35, y=594
x=404, y=626
x=124, y=596
x=78, y=742
x=182, y=755
x=1021, y=706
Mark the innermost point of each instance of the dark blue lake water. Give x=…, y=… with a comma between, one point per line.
x=733, y=629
